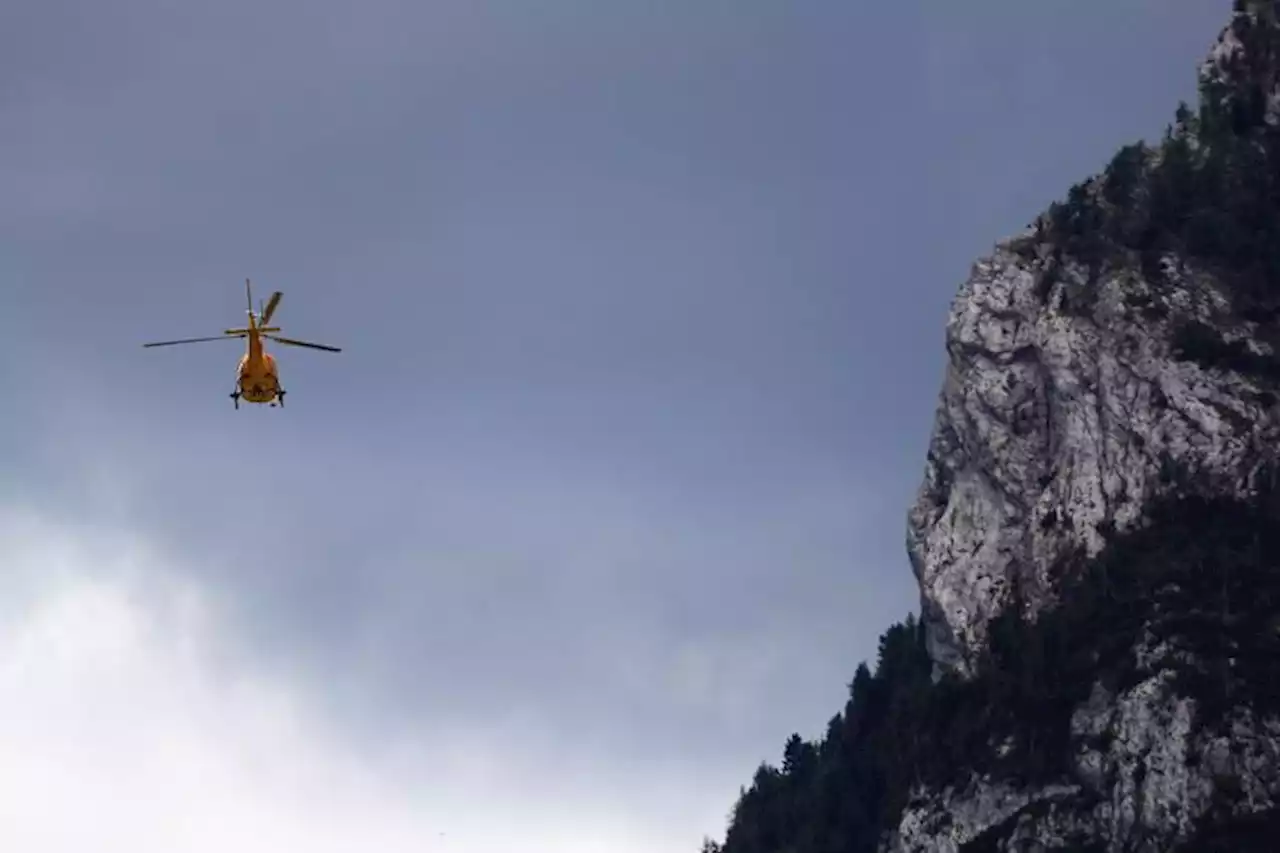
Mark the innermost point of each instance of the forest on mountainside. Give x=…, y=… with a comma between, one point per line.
x=1199, y=573
x=1207, y=195
x=1197, y=580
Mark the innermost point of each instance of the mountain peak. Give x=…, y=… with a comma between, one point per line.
x=1097, y=532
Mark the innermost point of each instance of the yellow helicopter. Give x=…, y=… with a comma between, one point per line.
x=257, y=378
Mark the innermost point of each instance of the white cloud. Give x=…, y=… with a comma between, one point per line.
x=129, y=722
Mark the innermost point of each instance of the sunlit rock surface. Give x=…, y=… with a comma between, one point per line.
x=1064, y=400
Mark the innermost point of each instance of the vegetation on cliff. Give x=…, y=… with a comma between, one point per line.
x=1206, y=196
x=1197, y=583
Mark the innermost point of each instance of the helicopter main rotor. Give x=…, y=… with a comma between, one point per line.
x=261, y=326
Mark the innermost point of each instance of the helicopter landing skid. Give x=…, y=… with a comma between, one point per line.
x=278, y=401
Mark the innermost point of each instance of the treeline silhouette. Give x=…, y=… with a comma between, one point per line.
x=1197, y=585
x=1208, y=194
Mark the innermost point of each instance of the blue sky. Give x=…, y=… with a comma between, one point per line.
x=642, y=312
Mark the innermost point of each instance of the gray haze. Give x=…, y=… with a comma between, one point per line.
x=642, y=307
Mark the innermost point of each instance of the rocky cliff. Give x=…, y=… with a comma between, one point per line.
x=1085, y=358
x=1097, y=539
x=1068, y=388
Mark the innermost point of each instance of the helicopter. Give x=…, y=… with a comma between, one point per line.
x=257, y=377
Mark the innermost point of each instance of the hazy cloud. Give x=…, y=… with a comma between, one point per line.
x=642, y=309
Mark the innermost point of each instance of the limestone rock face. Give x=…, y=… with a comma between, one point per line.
x=1063, y=396
x=1069, y=390
x=1142, y=782
x=1056, y=416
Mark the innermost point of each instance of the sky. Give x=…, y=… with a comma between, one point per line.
x=642, y=310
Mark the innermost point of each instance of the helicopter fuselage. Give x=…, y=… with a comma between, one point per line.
x=257, y=376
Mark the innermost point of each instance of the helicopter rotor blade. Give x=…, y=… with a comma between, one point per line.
x=294, y=343
x=267, y=312
x=192, y=340
x=248, y=294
